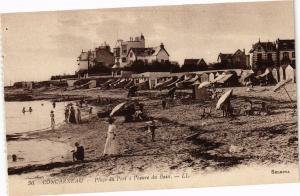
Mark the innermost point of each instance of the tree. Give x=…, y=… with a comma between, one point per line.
x=99, y=68
x=140, y=66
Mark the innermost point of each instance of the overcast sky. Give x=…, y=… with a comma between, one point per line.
x=38, y=45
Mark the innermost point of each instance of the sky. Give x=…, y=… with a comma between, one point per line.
x=38, y=45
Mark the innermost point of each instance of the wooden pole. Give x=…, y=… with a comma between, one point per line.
x=287, y=94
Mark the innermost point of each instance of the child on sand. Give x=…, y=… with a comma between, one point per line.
x=151, y=129
x=78, y=154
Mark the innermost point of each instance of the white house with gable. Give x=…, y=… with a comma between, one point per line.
x=148, y=55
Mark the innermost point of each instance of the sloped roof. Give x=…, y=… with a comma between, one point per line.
x=193, y=61
x=224, y=56
x=237, y=51
x=267, y=46
x=286, y=44
x=84, y=56
x=152, y=51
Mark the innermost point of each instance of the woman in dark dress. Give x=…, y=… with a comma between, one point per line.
x=72, y=118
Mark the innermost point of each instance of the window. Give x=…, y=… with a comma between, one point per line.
x=270, y=57
x=293, y=54
x=285, y=56
x=259, y=57
x=259, y=48
x=131, y=55
x=146, y=61
x=117, y=52
x=124, y=60
x=124, y=49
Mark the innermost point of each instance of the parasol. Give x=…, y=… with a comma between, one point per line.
x=248, y=75
x=282, y=84
x=223, y=98
x=196, y=83
x=117, y=108
x=204, y=84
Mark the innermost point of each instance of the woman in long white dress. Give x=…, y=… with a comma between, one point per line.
x=110, y=147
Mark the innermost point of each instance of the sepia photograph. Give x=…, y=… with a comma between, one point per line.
x=157, y=97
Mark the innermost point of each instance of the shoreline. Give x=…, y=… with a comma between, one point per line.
x=174, y=149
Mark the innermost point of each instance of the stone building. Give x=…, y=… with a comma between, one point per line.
x=237, y=60
x=104, y=56
x=286, y=52
x=268, y=54
x=194, y=65
x=122, y=48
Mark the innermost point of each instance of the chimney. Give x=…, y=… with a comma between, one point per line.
x=162, y=46
x=244, y=50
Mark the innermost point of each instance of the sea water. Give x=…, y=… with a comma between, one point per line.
x=34, y=151
x=39, y=118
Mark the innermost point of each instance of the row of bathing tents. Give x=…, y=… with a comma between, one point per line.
x=166, y=80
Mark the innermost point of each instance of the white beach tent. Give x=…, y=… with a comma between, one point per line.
x=223, y=98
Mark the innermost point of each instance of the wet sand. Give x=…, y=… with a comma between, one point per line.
x=219, y=143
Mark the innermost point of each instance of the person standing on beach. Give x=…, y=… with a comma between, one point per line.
x=78, y=116
x=164, y=103
x=67, y=113
x=151, y=129
x=72, y=115
x=110, y=147
x=53, y=104
x=23, y=110
x=52, y=120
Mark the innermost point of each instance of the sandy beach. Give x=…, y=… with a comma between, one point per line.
x=217, y=143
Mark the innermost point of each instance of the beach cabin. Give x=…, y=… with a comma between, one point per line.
x=238, y=72
x=204, y=77
x=211, y=77
x=201, y=94
x=275, y=74
x=92, y=84
x=290, y=73
x=71, y=82
x=153, y=77
x=281, y=74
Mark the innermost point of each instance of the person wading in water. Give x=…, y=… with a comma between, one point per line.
x=52, y=120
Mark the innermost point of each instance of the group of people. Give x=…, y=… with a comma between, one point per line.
x=72, y=115
x=110, y=147
x=24, y=110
